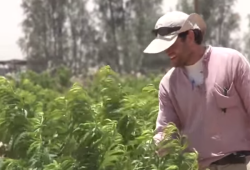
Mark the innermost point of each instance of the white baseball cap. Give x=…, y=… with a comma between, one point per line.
x=169, y=26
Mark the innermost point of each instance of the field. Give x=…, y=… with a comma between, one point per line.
x=48, y=122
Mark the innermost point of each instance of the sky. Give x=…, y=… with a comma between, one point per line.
x=11, y=16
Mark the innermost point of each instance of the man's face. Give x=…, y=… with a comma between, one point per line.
x=179, y=53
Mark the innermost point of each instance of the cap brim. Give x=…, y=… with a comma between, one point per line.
x=160, y=44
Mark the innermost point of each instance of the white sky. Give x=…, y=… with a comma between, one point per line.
x=11, y=16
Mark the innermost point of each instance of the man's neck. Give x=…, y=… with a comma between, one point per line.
x=196, y=55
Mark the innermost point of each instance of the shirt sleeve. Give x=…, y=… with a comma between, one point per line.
x=242, y=82
x=166, y=114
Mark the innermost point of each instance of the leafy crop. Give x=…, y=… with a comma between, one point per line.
x=107, y=124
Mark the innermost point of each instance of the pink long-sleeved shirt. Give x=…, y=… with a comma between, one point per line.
x=198, y=110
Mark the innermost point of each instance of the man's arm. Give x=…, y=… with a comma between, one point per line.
x=242, y=81
x=166, y=114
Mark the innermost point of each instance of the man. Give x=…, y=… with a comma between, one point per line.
x=206, y=94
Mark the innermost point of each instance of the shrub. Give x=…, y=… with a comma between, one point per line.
x=106, y=125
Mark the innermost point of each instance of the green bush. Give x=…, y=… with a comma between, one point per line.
x=105, y=125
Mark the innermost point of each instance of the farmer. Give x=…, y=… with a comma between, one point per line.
x=206, y=94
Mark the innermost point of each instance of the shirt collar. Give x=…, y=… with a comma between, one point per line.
x=206, y=55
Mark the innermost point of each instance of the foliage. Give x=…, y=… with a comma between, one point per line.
x=247, y=40
x=221, y=20
x=105, y=125
x=87, y=34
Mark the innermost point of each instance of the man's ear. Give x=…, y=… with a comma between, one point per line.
x=191, y=36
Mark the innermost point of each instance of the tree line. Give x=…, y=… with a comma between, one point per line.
x=87, y=34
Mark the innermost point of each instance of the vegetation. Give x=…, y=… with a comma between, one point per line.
x=88, y=34
x=46, y=123
x=106, y=122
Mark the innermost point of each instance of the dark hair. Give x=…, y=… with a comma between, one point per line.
x=197, y=36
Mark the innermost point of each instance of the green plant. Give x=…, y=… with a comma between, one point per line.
x=106, y=125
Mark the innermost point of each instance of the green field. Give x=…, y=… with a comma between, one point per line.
x=104, y=123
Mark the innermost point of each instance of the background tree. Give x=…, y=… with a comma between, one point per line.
x=247, y=40
x=126, y=27
x=115, y=33
x=44, y=33
x=221, y=20
x=57, y=32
